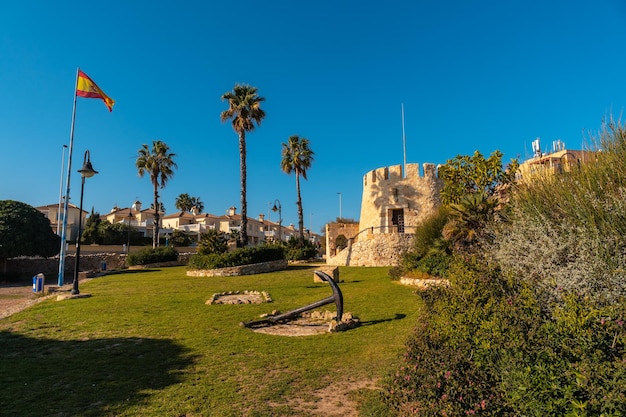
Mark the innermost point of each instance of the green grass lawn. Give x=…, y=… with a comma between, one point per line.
x=146, y=344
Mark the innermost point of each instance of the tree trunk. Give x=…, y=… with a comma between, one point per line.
x=244, y=202
x=155, y=227
x=299, y=203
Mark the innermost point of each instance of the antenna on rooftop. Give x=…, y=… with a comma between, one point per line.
x=536, y=148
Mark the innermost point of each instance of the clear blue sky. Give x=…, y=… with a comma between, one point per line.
x=481, y=75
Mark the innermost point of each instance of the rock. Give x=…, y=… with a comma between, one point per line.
x=331, y=271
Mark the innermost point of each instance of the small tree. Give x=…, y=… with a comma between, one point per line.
x=180, y=238
x=464, y=175
x=212, y=241
x=90, y=233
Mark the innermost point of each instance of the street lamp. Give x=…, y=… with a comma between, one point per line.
x=278, y=208
x=86, y=171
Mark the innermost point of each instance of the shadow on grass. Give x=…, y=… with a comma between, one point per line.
x=398, y=316
x=84, y=378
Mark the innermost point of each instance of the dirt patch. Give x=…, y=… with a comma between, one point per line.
x=299, y=327
x=332, y=400
x=240, y=297
x=16, y=297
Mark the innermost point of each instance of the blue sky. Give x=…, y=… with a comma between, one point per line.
x=481, y=75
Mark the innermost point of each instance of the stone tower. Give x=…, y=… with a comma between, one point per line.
x=396, y=203
x=392, y=207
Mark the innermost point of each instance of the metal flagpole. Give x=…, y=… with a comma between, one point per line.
x=403, y=144
x=61, y=190
x=67, y=192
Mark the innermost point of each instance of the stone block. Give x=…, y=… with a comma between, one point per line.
x=331, y=271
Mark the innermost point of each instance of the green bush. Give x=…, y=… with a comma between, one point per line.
x=566, y=232
x=181, y=239
x=300, y=250
x=240, y=256
x=575, y=366
x=430, y=253
x=213, y=241
x=483, y=347
x=150, y=256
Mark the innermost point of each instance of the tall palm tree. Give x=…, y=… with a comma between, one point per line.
x=297, y=158
x=244, y=109
x=159, y=163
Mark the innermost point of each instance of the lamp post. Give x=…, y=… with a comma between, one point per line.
x=86, y=171
x=130, y=216
x=278, y=208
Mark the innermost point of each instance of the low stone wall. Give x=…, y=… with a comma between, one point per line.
x=31, y=266
x=424, y=284
x=240, y=270
x=381, y=249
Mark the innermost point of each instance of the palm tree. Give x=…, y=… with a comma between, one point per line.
x=185, y=202
x=244, y=109
x=158, y=162
x=297, y=158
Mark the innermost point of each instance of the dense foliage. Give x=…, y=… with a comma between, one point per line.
x=101, y=232
x=238, y=257
x=213, y=241
x=533, y=321
x=180, y=238
x=466, y=174
x=430, y=253
x=301, y=250
x=25, y=231
x=152, y=255
x=483, y=347
x=567, y=232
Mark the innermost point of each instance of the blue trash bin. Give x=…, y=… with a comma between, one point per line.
x=103, y=266
x=38, y=283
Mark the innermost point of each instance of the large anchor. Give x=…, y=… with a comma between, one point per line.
x=336, y=298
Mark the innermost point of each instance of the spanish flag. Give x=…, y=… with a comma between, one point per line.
x=85, y=87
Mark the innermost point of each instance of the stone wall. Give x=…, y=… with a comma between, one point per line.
x=349, y=230
x=240, y=270
x=374, y=249
x=31, y=266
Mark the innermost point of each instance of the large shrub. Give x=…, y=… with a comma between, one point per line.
x=150, y=256
x=300, y=250
x=25, y=231
x=482, y=347
x=567, y=232
x=430, y=253
x=213, y=241
x=238, y=257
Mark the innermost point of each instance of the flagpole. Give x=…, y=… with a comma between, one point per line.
x=67, y=192
x=403, y=143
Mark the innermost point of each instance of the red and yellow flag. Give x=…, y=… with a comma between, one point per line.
x=85, y=87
